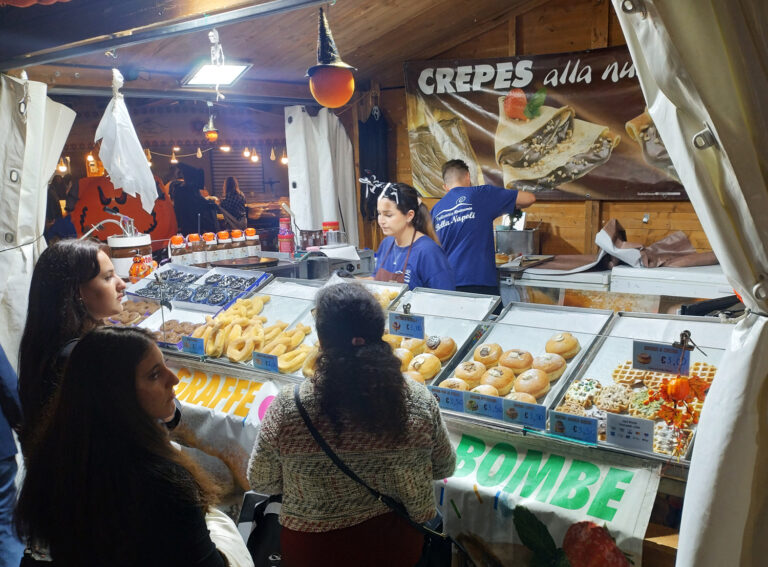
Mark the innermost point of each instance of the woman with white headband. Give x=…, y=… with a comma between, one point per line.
x=410, y=252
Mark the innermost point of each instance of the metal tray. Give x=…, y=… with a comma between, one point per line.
x=529, y=326
x=426, y=301
x=615, y=347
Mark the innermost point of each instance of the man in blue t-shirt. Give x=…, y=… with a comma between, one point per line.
x=463, y=221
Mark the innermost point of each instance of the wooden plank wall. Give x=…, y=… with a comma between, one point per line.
x=569, y=226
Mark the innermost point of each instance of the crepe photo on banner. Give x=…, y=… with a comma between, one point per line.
x=565, y=126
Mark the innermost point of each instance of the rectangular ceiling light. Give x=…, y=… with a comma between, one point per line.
x=208, y=75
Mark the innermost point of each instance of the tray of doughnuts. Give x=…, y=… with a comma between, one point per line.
x=529, y=352
x=133, y=314
x=169, y=326
x=609, y=382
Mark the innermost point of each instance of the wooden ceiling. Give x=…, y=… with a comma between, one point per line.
x=376, y=36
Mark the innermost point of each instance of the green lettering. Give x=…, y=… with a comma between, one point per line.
x=609, y=492
x=536, y=477
x=488, y=474
x=573, y=493
x=470, y=449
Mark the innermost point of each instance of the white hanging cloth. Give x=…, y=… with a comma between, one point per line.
x=121, y=151
x=703, y=66
x=321, y=171
x=35, y=130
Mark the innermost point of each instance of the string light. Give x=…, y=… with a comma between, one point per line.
x=246, y=152
x=89, y=157
x=176, y=149
x=225, y=148
x=272, y=155
x=62, y=167
x=284, y=158
x=199, y=153
x=173, y=157
x=254, y=157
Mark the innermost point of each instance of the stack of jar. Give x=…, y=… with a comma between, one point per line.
x=213, y=247
x=285, y=237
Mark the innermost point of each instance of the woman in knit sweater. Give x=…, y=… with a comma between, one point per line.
x=384, y=427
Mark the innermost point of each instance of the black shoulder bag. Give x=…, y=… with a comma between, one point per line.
x=437, y=545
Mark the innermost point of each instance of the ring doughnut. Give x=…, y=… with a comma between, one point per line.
x=310, y=363
x=241, y=349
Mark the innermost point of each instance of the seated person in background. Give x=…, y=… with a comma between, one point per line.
x=106, y=487
x=57, y=225
x=194, y=213
x=233, y=204
x=410, y=252
x=463, y=220
x=386, y=428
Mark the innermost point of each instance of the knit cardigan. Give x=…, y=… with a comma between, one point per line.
x=317, y=496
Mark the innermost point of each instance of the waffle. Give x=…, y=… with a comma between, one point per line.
x=665, y=439
x=571, y=407
x=625, y=374
x=638, y=407
x=653, y=380
x=583, y=392
x=704, y=371
x=614, y=398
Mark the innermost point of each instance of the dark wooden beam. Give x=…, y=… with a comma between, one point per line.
x=45, y=34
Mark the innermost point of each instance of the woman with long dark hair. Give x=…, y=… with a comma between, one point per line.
x=384, y=427
x=106, y=487
x=233, y=204
x=74, y=287
x=410, y=253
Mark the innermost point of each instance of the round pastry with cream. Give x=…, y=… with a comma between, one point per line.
x=485, y=389
x=405, y=357
x=428, y=365
x=520, y=397
x=392, y=340
x=500, y=377
x=416, y=346
x=471, y=372
x=517, y=360
x=454, y=384
x=442, y=347
x=488, y=354
x=564, y=344
x=534, y=382
x=413, y=375
x=552, y=364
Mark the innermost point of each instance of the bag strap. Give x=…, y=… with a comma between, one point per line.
x=396, y=506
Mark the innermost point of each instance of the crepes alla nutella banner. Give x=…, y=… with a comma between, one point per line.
x=566, y=126
x=527, y=501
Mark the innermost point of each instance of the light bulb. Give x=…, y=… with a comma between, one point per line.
x=89, y=157
x=272, y=155
x=62, y=167
x=254, y=158
x=246, y=152
x=199, y=153
x=176, y=149
x=173, y=158
x=225, y=148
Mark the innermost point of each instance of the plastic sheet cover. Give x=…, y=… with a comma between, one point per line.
x=703, y=68
x=121, y=151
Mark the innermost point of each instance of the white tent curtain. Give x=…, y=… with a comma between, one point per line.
x=703, y=66
x=321, y=171
x=34, y=130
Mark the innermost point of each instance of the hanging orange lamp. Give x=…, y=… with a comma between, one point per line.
x=330, y=81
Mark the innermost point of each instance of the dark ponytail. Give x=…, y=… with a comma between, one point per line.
x=408, y=200
x=358, y=377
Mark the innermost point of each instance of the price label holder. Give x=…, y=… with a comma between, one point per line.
x=573, y=427
x=660, y=357
x=193, y=345
x=521, y=413
x=629, y=432
x=266, y=362
x=487, y=406
x=448, y=399
x=411, y=326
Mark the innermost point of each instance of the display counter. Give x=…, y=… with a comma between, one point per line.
x=598, y=409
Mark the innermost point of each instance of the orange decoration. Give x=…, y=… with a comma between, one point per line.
x=678, y=389
x=332, y=86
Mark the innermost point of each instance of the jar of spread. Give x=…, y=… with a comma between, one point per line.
x=123, y=249
x=253, y=245
x=328, y=226
x=285, y=237
x=224, y=247
x=196, y=249
x=239, y=246
x=210, y=247
x=179, y=254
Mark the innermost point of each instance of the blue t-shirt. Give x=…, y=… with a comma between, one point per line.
x=463, y=221
x=427, y=265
